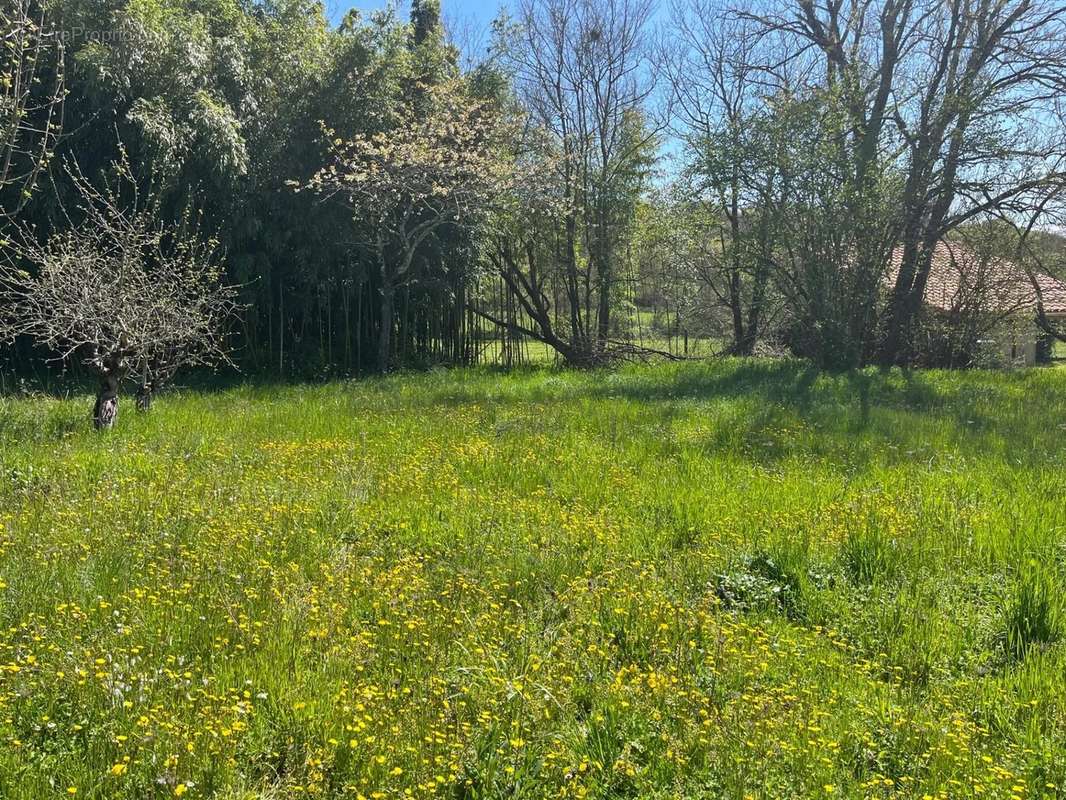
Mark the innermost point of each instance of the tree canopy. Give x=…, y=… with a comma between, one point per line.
x=606, y=177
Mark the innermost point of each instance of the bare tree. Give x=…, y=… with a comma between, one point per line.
x=31, y=100
x=1050, y=211
x=732, y=164
x=119, y=289
x=583, y=70
x=465, y=31
x=955, y=96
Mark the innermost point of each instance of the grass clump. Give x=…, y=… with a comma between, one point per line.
x=1032, y=613
x=870, y=553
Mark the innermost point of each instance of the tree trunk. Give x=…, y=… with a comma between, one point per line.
x=105, y=412
x=144, y=397
x=385, y=334
x=736, y=311
x=905, y=302
x=603, y=312
x=736, y=305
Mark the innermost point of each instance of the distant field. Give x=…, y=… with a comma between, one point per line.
x=536, y=353
x=735, y=580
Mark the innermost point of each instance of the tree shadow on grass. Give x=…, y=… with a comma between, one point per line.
x=766, y=410
x=854, y=417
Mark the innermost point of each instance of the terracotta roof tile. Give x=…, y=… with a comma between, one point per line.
x=959, y=277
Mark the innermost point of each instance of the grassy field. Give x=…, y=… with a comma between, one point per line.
x=735, y=580
x=533, y=353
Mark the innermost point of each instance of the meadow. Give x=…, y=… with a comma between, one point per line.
x=744, y=579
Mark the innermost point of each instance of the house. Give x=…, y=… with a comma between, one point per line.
x=963, y=283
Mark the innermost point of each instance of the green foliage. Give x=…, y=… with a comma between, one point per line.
x=869, y=554
x=225, y=99
x=178, y=71
x=780, y=238
x=760, y=583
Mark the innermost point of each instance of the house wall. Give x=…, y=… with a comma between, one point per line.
x=1026, y=347
x=1020, y=351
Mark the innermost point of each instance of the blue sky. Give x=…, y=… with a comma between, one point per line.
x=468, y=19
x=483, y=11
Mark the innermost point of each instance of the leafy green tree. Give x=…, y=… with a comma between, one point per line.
x=31, y=100
x=583, y=74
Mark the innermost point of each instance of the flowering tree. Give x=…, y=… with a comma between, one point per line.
x=127, y=294
x=441, y=163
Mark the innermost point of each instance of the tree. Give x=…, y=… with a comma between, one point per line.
x=956, y=97
x=832, y=240
x=223, y=99
x=425, y=20
x=121, y=290
x=439, y=165
x=31, y=100
x=732, y=160
x=583, y=71
x=982, y=301
x=520, y=251
x=1042, y=252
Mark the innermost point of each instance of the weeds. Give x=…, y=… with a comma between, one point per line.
x=869, y=555
x=761, y=583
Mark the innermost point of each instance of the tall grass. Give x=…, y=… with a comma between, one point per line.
x=730, y=580
x=1033, y=612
